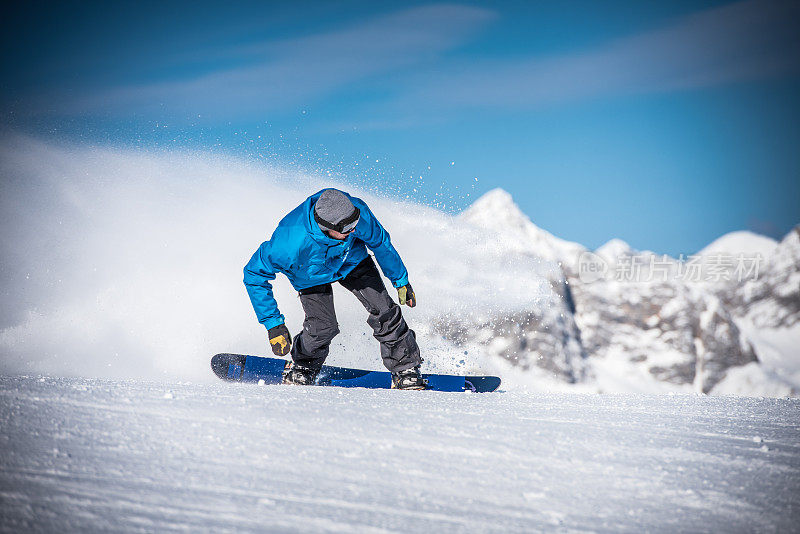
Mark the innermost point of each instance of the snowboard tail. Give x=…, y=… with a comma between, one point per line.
x=244, y=368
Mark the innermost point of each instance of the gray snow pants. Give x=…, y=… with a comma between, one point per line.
x=399, y=349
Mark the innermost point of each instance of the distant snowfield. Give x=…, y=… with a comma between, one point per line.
x=84, y=455
x=742, y=242
x=777, y=348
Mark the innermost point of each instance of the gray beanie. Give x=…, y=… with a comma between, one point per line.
x=334, y=211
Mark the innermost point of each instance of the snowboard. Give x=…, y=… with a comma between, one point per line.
x=244, y=368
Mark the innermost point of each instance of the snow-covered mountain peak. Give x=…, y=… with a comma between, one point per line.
x=785, y=258
x=792, y=239
x=742, y=242
x=497, y=211
x=613, y=249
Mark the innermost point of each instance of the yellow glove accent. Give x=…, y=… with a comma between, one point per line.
x=280, y=339
x=283, y=342
x=405, y=295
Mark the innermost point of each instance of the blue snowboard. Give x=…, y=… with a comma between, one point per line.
x=242, y=368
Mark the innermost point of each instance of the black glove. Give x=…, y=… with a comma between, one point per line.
x=405, y=295
x=280, y=339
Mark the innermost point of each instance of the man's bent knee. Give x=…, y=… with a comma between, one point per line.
x=320, y=336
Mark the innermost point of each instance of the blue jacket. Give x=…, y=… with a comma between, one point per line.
x=299, y=249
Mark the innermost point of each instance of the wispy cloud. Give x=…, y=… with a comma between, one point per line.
x=278, y=74
x=738, y=42
x=406, y=68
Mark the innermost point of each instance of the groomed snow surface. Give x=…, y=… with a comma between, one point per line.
x=86, y=455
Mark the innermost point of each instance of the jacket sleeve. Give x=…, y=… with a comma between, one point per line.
x=370, y=231
x=258, y=273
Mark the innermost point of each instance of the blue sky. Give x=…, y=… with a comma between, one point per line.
x=665, y=124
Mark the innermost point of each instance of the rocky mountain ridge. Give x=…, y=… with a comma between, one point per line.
x=658, y=318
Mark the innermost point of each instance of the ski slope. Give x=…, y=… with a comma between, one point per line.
x=86, y=455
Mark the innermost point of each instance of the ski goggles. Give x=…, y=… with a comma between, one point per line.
x=345, y=226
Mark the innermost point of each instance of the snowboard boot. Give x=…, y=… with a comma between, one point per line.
x=409, y=379
x=300, y=375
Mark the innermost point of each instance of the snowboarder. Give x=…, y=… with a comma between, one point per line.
x=325, y=240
